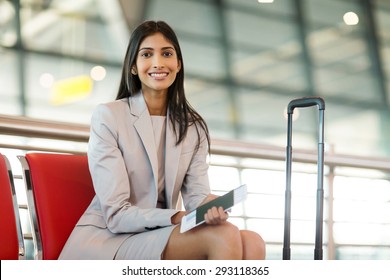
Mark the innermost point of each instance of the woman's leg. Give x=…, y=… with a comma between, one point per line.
x=253, y=245
x=215, y=242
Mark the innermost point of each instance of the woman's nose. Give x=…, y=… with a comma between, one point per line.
x=158, y=62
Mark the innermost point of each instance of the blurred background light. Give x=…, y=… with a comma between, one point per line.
x=351, y=18
x=46, y=80
x=98, y=73
x=71, y=90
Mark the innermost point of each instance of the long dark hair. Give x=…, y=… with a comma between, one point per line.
x=181, y=113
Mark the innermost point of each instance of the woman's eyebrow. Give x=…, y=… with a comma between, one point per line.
x=167, y=48
x=145, y=49
x=151, y=49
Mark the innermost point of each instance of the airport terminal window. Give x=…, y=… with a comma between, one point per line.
x=270, y=111
x=9, y=81
x=202, y=59
x=240, y=46
x=184, y=16
x=280, y=8
x=340, y=54
x=212, y=101
x=263, y=211
x=360, y=210
x=8, y=36
x=56, y=86
x=75, y=28
x=382, y=16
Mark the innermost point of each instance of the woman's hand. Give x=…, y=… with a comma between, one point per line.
x=215, y=216
x=176, y=219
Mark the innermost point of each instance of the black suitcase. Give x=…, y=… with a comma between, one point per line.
x=300, y=103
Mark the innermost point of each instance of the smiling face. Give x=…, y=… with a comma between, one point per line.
x=156, y=64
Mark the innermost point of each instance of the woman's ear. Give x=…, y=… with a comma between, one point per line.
x=178, y=66
x=133, y=71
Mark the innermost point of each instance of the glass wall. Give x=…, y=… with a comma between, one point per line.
x=244, y=62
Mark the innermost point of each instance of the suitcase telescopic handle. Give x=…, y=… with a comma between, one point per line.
x=306, y=102
x=301, y=103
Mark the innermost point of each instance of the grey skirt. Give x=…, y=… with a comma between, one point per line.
x=148, y=245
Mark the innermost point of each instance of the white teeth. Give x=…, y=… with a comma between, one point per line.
x=158, y=75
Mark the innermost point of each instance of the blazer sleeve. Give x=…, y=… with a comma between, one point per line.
x=111, y=182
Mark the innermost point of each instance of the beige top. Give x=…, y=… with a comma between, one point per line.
x=159, y=124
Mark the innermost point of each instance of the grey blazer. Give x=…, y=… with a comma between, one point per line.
x=123, y=164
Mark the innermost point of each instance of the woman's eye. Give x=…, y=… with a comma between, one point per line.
x=146, y=54
x=167, y=54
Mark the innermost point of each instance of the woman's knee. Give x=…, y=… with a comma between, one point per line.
x=223, y=233
x=221, y=241
x=254, y=247
x=224, y=238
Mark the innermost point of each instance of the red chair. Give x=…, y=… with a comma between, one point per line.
x=59, y=189
x=11, y=235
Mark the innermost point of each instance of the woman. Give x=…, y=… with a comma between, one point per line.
x=147, y=150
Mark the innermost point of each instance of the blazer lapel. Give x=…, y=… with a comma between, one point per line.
x=172, y=159
x=144, y=128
